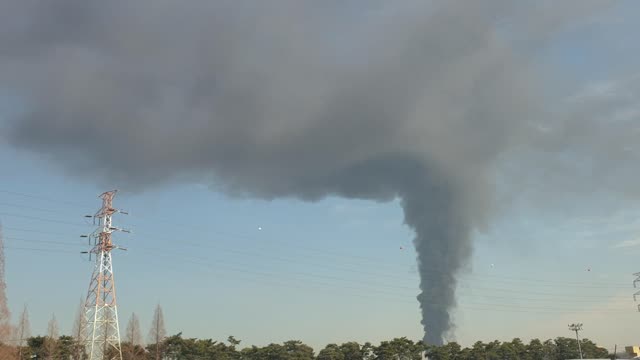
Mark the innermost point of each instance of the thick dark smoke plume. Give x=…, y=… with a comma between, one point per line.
x=286, y=98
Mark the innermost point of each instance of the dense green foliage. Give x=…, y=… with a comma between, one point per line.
x=559, y=349
x=178, y=348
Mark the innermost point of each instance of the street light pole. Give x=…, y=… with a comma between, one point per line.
x=577, y=328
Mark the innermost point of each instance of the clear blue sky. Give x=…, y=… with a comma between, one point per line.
x=332, y=271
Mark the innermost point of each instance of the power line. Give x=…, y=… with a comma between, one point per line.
x=40, y=250
x=515, y=306
x=204, y=261
x=378, y=262
x=485, y=306
x=298, y=247
x=503, y=279
x=288, y=260
x=43, y=241
x=510, y=307
x=360, y=282
x=175, y=253
x=40, y=197
x=199, y=261
x=25, y=207
x=42, y=219
x=33, y=231
x=235, y=266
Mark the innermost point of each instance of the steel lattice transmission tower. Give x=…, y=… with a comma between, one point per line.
x=102, y=332
x=635, y=285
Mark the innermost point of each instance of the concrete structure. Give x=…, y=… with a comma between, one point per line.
x=632, y=350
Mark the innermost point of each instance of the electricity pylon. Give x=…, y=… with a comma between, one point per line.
x=102, y=332
x=635, y=283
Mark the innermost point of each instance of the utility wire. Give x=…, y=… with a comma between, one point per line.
x=40, y=197
x=42, y=219
x=174, y=252
x=305, y=281
x=333, y=286
x=233, y=266
x=503, y=279
x=33, y=231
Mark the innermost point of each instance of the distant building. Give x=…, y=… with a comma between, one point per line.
x=632, y=351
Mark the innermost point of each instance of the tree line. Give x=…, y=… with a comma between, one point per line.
x=18, y=344
x=176, y=347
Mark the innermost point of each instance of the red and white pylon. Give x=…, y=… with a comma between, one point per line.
x=102, y=332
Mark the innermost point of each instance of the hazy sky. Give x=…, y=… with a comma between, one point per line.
x=556, y=244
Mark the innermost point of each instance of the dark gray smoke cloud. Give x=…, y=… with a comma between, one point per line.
x=361, y=99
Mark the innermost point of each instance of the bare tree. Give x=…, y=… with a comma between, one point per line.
x=133, y=339
x=51, y=340
x=23, y=331
x=133, y=334
x=157, y=333
x=78, y=331
x=6, y=352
